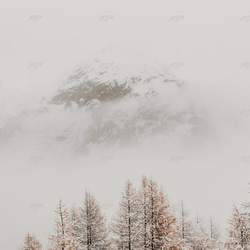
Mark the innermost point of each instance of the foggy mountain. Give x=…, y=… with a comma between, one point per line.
x=113, y=98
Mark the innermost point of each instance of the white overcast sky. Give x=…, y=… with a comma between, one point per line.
x=211, y=38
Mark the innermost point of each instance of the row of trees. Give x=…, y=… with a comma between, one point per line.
x=144, y=220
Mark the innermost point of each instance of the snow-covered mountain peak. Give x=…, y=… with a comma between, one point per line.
x=109, y=75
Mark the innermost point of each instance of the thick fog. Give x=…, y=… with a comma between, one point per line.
x=203, y=43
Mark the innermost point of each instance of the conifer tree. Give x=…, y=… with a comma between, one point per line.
x=200, y=239
x=91, y=225
x=64, y=238
x=143, y=213
x=74, y=214
x=214, y=233
x=238, y=231
x=75, y=218
x=161, y=225
x=124, y=225
x=31, y=243
x=185, y=225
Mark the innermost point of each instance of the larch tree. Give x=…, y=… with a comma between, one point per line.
x=65, y=237
x=74, y=214
x=31, y=243
x=161, y=231
x=238, y=231
x=185, y=224
x=199, y=237
x=75, y=218
x=125, y=225
x=214, y=232
x=91, y=225
x=143, y=213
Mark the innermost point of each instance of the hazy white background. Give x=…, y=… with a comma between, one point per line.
x=203, y=42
